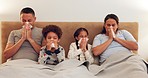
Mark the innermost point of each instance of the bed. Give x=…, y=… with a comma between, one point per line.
x=68, y=29
x=24, y=68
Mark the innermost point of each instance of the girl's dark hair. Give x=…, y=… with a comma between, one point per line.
x=52, y=28
x=77, y=32
x=27, y=10
x=109, y=16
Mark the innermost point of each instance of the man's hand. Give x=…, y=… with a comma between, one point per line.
x=24, y=34
x=29, y=34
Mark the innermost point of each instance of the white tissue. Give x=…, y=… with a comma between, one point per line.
x=81, y=40
x=27, y=25
x=52, y=45
x=27, y=22
x=86, y=39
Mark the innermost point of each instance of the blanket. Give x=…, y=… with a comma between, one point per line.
x=25, y=68
x=121, y=65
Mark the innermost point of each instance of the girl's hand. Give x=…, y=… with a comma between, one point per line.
x=83, y=44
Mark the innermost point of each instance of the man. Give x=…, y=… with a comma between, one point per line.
x=24, y=43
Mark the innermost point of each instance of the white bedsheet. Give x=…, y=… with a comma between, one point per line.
x=122, y=65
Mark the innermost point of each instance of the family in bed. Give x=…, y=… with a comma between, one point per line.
x=42, y=45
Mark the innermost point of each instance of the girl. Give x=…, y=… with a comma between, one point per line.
x=80, y=49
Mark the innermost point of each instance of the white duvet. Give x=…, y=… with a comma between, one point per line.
x=122, y=65
x=24, y=68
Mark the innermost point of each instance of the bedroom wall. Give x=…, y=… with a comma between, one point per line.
x=83, y=11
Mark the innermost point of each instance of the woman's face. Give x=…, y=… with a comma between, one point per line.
x=83, y=34
x=111, y=22
x=52, y=37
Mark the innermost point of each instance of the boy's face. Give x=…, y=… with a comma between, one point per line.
x=27, y=17
x=52, y=37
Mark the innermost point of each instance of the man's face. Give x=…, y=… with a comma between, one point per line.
x=27, y=17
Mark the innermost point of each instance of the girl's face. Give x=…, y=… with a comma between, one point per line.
x=111, y=22
x=52, y=37
x=83, y=34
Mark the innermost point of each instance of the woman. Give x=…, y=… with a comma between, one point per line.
x=111, y=40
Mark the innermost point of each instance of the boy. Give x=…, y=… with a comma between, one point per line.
x=52, y=53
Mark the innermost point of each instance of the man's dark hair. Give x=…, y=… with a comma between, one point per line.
x=27, y=10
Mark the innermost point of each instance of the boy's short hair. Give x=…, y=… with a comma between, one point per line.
x=52, y=28
x=27, y=10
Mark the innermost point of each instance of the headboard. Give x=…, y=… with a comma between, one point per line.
x=68, y=29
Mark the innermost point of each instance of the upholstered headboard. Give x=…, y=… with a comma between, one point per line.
x=68, y=29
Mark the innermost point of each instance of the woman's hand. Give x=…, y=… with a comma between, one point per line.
x=110, y=34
